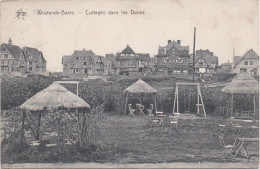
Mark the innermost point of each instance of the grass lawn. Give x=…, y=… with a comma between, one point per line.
x=195, y=141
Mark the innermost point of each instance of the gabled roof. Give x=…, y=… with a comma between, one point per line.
x=249, y=54
x=79, y=53
x=83, y=53
x=174, y=44
x=208, y=59
x=14, y=50
x=35, y=53
x=237, y=59
x=127, y=50
x=140, y=87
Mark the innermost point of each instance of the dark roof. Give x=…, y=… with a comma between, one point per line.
x=208, y=59
x=143, y=56
x=35, y=53
x=110, y=56
x=203, y=53
x=83, y=53
x=127, y=50
x=14, y=50
x=176, y=45
x=249, y=54
x=80, y=53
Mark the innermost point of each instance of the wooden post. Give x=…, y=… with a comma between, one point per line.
x=254, y=103
x=126, y=98
x=174, y=102
x=194, y=54
x=39, y=124
x=232, y=104
x=155, y=103
x=22, y=133
x=77, y=89
x=177, y=89
x=198, y=97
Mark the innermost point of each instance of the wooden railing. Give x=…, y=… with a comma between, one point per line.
x=250, y=114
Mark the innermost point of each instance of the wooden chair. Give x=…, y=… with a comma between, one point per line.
x=222, y=127
x=131, y=110
x=150, y=110
x=174, y=121
x=228, y=148
x=34, y=144
x=254, y=128
x=155, y=122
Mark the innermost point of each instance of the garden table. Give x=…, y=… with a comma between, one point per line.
x=141, y=108
x=240, y=146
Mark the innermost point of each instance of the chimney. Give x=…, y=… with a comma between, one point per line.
x=169, y=41
x=10, y=41
x=179, y=42
x=83, y=48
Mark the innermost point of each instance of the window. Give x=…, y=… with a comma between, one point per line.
x=246, y=63
x=166, y=60
x=250, y=62
x=200, y=64
x=77, y=58
x=6, y=56
x=242, y=70
x=30, y=68
x=179, y=60
x=15, y=69
x=2, y=62
x=6, y=69
x=85, y=63
x=30, y=63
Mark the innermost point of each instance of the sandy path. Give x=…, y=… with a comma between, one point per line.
x=112, y=165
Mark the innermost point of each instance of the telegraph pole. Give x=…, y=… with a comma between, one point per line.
x=194, y=54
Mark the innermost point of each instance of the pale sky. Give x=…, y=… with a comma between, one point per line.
x=221, y=26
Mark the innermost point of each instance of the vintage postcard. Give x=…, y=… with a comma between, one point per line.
x=129, y=83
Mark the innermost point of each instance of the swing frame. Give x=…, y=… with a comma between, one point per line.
x=200, y=104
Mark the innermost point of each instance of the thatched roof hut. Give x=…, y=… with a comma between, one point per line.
x=244, y=83
x=54, y=97
x=140, y=87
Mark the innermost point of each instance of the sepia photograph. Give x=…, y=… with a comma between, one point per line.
x=129, y=83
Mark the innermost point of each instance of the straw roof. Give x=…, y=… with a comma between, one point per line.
x=53, y=97
x=140, y=87
x=244, y=83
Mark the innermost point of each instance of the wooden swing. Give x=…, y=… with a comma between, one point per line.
x=200, y=104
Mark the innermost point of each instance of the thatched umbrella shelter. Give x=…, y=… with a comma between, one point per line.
x=53, y=97
x=243, y=84
x=142, y=88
